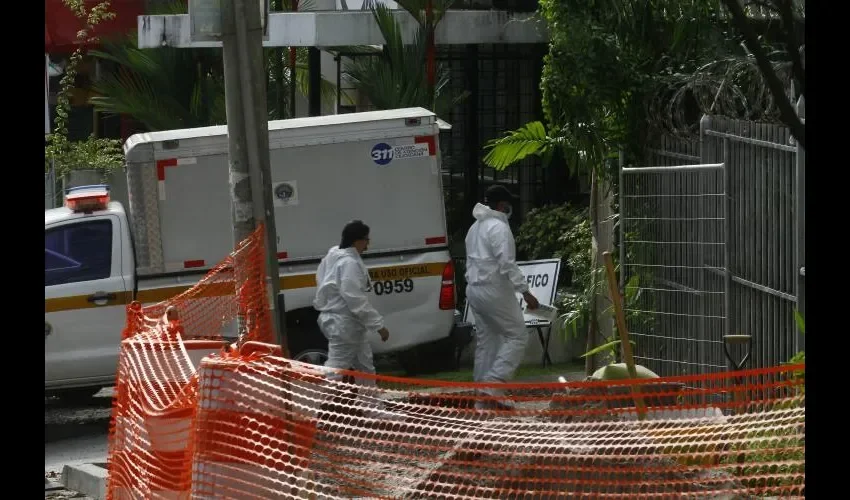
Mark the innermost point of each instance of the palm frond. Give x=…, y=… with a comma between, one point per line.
x=162, y=88
x=125, y=94
x=530, y=139
x=395, y=78
x=327, y=90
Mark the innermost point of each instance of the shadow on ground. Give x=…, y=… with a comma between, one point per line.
x=79, y=418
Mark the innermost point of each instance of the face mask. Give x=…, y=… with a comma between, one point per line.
x=509, y=211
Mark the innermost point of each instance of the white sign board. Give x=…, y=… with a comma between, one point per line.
x=542, y=279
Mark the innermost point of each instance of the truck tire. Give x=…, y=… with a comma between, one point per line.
x=314, y=356
x=306, y=341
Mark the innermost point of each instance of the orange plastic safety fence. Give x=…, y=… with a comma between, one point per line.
x=230, y=299
x=193, y=420
x=156, y=386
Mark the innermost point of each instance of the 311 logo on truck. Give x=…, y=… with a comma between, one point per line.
x=382, y=153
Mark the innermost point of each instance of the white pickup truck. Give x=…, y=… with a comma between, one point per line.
x=382, y=167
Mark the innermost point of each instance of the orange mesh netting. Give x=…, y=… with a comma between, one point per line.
x=248, y=423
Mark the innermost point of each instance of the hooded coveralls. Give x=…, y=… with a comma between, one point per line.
x=493, y=279
x=345, y=314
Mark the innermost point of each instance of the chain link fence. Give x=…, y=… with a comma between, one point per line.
x=712, y=240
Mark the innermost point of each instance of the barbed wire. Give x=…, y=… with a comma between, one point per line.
x=732, y=86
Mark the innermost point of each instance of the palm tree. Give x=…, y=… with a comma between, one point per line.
x=164, y=88
x=167, y=88
x=398, y=76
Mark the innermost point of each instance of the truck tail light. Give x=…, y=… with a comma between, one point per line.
x=447, y=289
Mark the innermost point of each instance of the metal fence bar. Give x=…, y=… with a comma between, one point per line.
x=622, y=201
x=671, y=154
x=672, y=213
x=741, y=259
x=748, y=140
x=676, y=168
x=727, y=238
x=683, y=339
x=704, y=304
x=755, y=286
x=800, y=233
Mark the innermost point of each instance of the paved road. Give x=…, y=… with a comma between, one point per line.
x=76, y=433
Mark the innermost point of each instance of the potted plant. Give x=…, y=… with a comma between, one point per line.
x=93, y=160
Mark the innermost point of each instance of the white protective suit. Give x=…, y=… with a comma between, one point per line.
x=346, y=317
x=493, y=279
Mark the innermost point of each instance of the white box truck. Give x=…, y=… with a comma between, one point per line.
x=381, y=167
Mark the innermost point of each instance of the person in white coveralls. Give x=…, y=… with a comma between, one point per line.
x=493, y=279
x=346, y=317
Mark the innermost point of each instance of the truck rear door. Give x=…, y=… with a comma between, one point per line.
x=84, y=296
x=392, y=182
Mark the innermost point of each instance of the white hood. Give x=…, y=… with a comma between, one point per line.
x=491, y=252
x=335, y=253
x=483, y=212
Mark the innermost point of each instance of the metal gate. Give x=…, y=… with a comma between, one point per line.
x=673, y=235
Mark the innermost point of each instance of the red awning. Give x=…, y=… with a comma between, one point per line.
x=61, y=25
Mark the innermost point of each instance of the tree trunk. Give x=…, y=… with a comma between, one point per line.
x=593, y=323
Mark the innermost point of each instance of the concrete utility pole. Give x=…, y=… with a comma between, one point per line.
x=248, y=133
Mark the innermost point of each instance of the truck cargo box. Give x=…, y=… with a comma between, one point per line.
x=381, y=167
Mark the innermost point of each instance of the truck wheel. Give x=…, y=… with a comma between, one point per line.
x=306, y=342
x=312, y=356
x=308, y=346
x=410, y=362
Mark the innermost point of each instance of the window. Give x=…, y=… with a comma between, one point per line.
x=78, y=252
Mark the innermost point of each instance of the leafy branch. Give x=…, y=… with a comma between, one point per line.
x=102, y=154
x=529, y=140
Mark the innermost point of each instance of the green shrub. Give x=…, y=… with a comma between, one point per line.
x=562, y=231
x=556, y=231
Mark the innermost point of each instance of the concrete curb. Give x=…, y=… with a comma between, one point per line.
x=88, y=479
x=52, y=485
